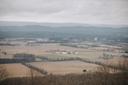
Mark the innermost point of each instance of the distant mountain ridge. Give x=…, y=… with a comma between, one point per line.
x=14, y=23
x=63, y=31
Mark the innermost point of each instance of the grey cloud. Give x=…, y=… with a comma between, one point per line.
x=41, y=6
x=85, y=11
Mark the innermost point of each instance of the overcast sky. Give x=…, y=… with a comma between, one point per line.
x=73, y=11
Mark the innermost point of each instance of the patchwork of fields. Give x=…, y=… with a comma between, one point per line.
x=55, y=51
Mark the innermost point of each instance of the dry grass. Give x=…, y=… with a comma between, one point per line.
x=66, y=67
x=46, y=48
x=16, y=70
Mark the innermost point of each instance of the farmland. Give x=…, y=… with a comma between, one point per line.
x=63, y=59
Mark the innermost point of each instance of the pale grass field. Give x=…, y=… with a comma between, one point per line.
x=65, y=67
x=45, y=49
x=115, y=61
x=16, y=70
x=56, y=68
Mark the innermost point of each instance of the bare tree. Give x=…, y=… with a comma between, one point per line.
x=33, y=74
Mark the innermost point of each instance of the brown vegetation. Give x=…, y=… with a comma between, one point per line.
x=104, y=77
x=72, y=79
